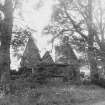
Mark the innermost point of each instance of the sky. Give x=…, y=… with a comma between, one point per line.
x=36, y=15
x=40, y=15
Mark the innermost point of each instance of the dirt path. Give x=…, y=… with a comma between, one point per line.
x=95, y=102
x=99, y=103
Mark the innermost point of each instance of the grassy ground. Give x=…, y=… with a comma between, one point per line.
x=56, y=95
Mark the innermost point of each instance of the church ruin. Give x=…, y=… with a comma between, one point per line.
x=63, y=66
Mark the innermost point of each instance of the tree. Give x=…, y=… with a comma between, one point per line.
x=19, y=39
x=6, y=30
x=5, y=37
x=76, y=19
x=6, y=26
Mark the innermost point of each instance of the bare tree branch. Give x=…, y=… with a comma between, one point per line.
x=75, y=26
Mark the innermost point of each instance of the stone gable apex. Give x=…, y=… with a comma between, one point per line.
x=31, y=56
x=47, y=58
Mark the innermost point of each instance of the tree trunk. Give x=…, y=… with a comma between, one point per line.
x=91, y=56
x=6, y=33
x=92, y=64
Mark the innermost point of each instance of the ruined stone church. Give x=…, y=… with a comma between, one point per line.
x=31, y=56
x=32, y=59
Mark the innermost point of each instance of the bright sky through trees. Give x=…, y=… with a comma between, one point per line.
x=36, y=14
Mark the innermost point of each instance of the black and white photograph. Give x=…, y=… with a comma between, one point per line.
x=52, y=52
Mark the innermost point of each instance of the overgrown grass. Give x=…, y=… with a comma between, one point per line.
x=54, y=95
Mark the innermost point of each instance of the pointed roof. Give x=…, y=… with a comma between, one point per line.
x=47, y=59
x=31, y=56
x=30, y=46
x=65, y=54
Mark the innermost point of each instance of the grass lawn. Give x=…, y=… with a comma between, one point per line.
x=56, y=95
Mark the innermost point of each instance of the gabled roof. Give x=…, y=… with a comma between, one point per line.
x=31, y=56
x=47, y=59
x=65, y=54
